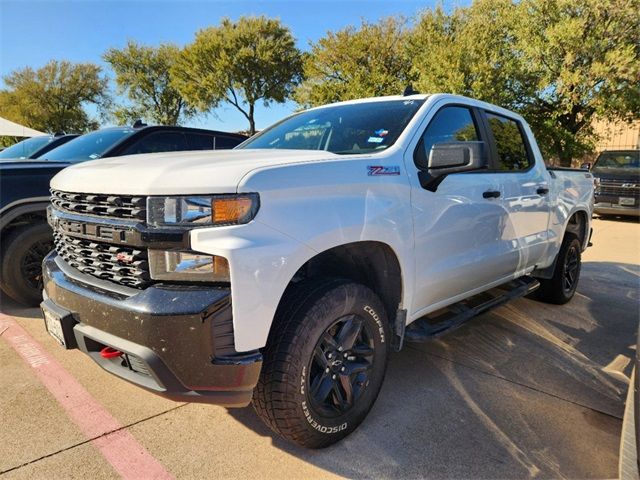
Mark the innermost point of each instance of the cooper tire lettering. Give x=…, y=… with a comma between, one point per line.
x=376, y=318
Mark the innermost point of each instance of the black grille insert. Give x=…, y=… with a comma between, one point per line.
x=115, y=206
x=623, y=188
x=121, y=264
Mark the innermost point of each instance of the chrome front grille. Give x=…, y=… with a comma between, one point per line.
x=622, y=188
x=117, y=263
x=116, y=206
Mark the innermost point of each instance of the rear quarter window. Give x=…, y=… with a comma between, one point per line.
x=225, y=143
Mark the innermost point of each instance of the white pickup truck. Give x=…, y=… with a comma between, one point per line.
x=285, y=271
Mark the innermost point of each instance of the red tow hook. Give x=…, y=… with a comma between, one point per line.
x=108, y=352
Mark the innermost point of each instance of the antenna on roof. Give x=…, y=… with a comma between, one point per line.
x=409, y=91
x=138, y=124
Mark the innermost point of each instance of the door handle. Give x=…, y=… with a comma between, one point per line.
x=491, y=194
x=542, y=191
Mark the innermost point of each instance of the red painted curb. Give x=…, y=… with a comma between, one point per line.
x=125, y=454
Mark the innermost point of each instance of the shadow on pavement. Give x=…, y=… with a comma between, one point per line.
x=529, y=389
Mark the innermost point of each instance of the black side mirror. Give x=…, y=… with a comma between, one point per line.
x=454, y=157
x=586, y=166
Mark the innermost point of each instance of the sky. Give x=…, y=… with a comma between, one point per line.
x=34, y=32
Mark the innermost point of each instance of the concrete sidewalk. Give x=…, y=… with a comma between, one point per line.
x=528, y=390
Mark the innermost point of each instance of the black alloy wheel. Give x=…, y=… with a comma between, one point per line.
x=31, y=263
x=571, y=265
x=23, y=250
x=340, y=368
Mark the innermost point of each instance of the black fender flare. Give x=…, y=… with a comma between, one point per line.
x=13, y=211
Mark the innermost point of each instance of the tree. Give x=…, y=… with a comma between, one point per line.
x=355, y=63
x=585, y=59
x=470, y=52
x=52, y=98
x=241, y=63
x=143, y=74
x=560, y=63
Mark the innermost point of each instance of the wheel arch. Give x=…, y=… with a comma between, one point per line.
x=578, y=224
x=372, y=263
x=21, y=214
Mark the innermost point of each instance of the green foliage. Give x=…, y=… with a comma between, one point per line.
x=470, y=52
x=560, y=63
x=52, y=98
x=143, y=74
x=241, y=63
x=584, y=58
x=355, y=63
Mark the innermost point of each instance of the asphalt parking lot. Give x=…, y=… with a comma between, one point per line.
x=528, y=390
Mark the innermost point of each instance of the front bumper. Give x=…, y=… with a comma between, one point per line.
x=177, y=341
x=609, y=205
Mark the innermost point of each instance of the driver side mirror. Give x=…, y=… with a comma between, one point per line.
x=586, y=166
x=454, y=157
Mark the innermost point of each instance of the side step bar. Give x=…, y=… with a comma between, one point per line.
x=444, y=321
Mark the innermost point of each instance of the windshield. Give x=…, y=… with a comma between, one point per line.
x=627, y=161
x=25, y=148
x=89, y=146
x=346, y=129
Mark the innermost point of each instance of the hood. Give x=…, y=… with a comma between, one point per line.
x=632, y=174
x=175, y=173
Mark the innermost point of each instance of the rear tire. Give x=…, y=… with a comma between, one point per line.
x=324, y=362
x=22, y=253
x=560, y=288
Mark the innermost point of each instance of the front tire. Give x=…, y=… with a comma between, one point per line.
x=560, y=288
x=22, y=253
x=324, y=362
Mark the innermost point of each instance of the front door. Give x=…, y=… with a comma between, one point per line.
x=460, y=247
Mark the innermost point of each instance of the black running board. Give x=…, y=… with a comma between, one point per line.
x=444, y=321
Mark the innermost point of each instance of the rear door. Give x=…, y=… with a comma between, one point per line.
x=524, y=186
x=460, y=246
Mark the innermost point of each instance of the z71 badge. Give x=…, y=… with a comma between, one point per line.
x=375, y=170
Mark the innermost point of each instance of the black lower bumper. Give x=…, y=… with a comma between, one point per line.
x=610, y=205
x=176, y=341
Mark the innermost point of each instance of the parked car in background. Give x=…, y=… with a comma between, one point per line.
x=617, y=174
x=285, y=271
x=35, y=146
x=24, y=192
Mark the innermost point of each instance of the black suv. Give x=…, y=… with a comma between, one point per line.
x=618, y=183
x=24, y=192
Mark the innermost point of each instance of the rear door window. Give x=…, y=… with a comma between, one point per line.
x=158, y=142
x=510, y=143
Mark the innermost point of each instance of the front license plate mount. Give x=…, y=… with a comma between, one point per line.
x=59, y=323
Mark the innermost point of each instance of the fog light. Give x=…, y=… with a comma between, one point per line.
x=187, y=266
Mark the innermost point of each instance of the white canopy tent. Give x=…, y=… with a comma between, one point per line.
x=13, y=129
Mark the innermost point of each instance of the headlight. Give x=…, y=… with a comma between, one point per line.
x=187, y=266
x=202, y=211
